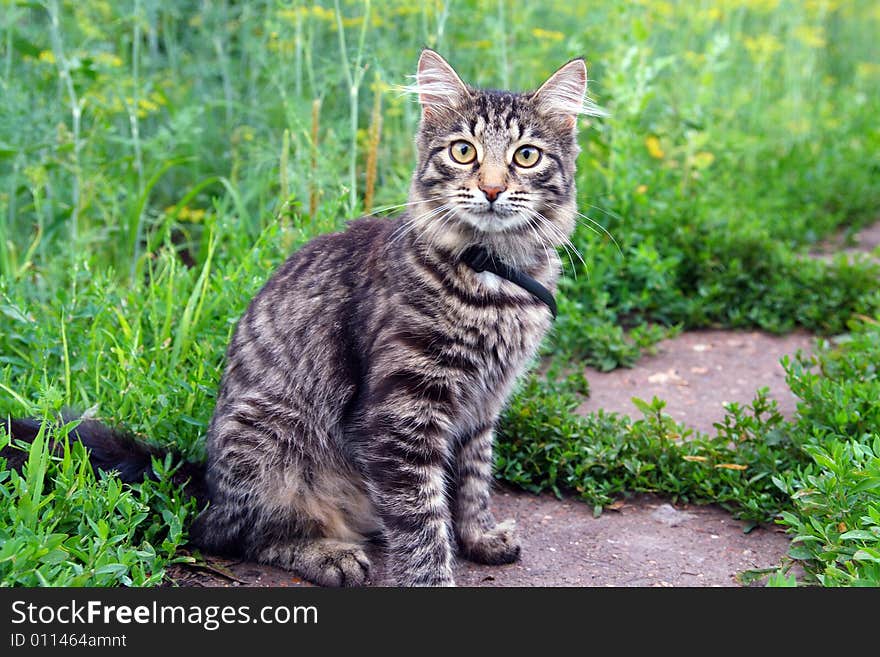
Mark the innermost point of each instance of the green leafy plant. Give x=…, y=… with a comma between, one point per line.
x=156, y=161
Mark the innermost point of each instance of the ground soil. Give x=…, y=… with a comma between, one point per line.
x=646, y=541
x=865, y=241
x=697, y=372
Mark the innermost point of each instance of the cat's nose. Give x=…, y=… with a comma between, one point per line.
x=492, y=191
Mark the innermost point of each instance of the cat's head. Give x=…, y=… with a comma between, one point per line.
x=495, y=167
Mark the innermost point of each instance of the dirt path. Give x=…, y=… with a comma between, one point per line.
x=866, y=241
x=646, y=542
x=697, y=372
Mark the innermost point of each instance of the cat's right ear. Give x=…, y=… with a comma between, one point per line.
x=437, y=84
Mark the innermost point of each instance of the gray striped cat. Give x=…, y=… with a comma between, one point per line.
x=364, y=380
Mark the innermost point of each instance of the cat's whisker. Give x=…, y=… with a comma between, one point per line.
x=565, y=248
x=541, y=223
x=602, y=228
x=609, y=213
x=441, y=224
x=401, y=232
x=542, y=243
x=566, y=242
x=594, y=225
x=403, y=205
x=551, y=238
x=407, y=226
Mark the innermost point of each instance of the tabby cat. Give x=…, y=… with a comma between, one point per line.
x=364, y=380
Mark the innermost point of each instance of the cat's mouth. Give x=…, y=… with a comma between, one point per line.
x=494, y=218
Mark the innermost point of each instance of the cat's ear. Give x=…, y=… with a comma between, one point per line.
x=437, y=83
x=565, y=92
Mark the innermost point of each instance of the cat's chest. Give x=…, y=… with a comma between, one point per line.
x=508, y=329
x=500, y=349
x=490, y=282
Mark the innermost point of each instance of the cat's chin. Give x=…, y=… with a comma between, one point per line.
x=493, y=223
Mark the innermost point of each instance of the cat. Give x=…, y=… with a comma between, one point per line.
x=364, y=381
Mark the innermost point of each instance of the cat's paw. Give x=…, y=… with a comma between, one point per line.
x=495, y=546
x=440, y=578
x=335, y=563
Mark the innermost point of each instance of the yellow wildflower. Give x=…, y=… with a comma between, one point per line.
x=810, y=35
x=324, y=14
x=291, y=14
x=108, y=59
x=695, y=58
x=147, y=105
x=763, y=6
x=867, y=69
x=47, y=56
x=654, y=149
x=187, y=214
x=762, y=47
x=663, y=8
x=547, y=35
x=702, y=159
x=821, y=7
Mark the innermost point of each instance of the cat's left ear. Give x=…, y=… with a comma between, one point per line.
x=437, y=83
x=564, y=92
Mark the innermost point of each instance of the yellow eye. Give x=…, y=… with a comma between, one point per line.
x=463, y=152
x=527, y=156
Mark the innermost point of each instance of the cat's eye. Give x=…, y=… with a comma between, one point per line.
x=463, y=152
x=527, y=156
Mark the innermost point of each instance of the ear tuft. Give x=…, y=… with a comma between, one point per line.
x=565, y=92
x=437, y=84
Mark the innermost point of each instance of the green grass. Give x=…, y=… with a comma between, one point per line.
x=158, y=162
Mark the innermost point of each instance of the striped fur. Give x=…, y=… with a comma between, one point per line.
x=364, y=380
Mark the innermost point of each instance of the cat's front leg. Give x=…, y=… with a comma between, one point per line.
x=480, y=538
x=406, y=469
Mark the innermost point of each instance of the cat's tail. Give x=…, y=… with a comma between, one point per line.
x=110, y=450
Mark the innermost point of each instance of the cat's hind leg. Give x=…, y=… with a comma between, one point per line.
x=324, y=561
x=321, y=533
x=272, y=504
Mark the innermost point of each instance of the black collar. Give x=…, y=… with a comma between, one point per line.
x=478, y=259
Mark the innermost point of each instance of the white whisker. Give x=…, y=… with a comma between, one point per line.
x=554, y=234
x=594, y=225
x=402, y=205
x=407, y=226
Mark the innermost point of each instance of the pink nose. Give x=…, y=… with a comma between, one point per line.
x=492, y=191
